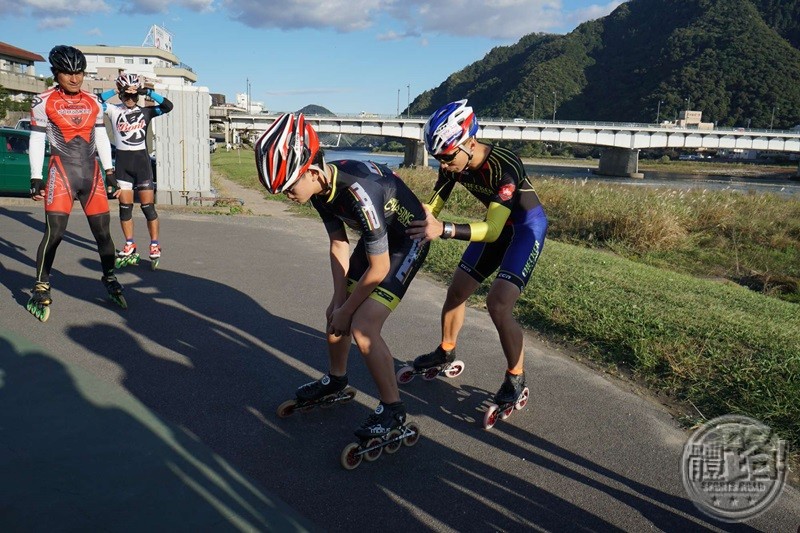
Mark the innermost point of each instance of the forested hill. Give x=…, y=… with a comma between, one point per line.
x=731, y=59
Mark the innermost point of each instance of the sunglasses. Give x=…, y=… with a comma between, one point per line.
x=129, y=96
x=447, y=158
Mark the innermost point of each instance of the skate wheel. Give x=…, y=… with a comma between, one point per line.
x=506, y=412
x=348, y=394
x=431, y=373
x=41, y=312
x=350, y=458
x=395, y=444
x=153, y=264
x=522, y=401
x=490, y=417
x=412, y=439
x=119, y=300
x=118, y=263
x=456, y=368
x=373, y=454
x=405, y=375
x=286, y=408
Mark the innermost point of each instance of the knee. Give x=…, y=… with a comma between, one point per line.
x=363, y=335
x=125, y=212
x=149, y=211
x=498, y=306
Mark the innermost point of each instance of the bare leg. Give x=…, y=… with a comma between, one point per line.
x=147, y=197
x=454, y=308
x=501, y=300
x=366, y=330
x=126, y=197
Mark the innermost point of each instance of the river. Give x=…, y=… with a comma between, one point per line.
x=573, y=171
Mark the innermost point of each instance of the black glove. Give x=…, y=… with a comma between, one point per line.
x=143, y=90
x=36, y=187
x=111, y=184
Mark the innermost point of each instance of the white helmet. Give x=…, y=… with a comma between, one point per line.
x=285, y=151
x=449, y=127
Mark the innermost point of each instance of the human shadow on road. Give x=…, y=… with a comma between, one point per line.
x=463, y=408
x=217, y=363
x=79, y=455
x=36, y=222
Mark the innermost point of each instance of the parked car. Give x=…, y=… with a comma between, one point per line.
x=23, y=124
x=15, y=167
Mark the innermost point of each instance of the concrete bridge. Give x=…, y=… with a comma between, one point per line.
x=623, y=140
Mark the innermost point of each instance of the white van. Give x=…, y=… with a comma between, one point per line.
x=519, y=121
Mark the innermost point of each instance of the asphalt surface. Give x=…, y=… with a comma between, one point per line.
x=163, y=416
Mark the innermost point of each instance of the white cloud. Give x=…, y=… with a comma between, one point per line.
x=95, y=32
x=341, y=15
x=49, y=23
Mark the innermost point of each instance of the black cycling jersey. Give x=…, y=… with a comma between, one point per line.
x=370, y=199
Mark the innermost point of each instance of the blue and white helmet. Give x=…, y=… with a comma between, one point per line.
x=449, y=127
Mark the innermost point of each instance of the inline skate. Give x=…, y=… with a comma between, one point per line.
x=127, y=256
x=39, y=303
x=155, y=255
x=387, y=429
x=324, y=392
x=513, y=395
x=430, y=365
x=114, y=290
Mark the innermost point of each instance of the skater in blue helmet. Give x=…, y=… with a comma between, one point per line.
x=510, y=238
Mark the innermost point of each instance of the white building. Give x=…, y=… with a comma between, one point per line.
x=18, y=73
x=254, y=108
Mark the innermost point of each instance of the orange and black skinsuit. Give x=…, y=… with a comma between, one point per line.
x=74, y=125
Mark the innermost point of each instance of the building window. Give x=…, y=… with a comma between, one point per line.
x=129, y=61
x=111, y=59
x=142, y=60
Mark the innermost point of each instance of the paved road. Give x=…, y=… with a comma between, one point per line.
x=111, y=418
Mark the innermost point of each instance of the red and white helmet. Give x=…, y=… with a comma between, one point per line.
x=285, y=151
x=127, y=81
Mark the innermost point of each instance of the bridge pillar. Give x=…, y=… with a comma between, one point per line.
x=619, y=162
x=796, y=176
x=415, y=154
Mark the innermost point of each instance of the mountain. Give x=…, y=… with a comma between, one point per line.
x=731, y=59
x=313, y=109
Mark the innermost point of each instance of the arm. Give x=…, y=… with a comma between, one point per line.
x=104, y=151
x=164, y=103
x=36, y=158
x=341, y=317
x=107, y=95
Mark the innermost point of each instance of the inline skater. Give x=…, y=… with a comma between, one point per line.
x=130, y=122
x=370, y=199
x=510, y=237
x=72, y=120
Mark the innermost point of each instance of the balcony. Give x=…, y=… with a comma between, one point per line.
x=21, y=83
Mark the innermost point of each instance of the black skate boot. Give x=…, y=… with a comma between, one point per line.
x=430, y=365
x=511, y=389
x=385, y=418
x=385, y=429
x=39, y=303
x=513, y=395
x=438, y=357
x=324, y=392
x=114, y=290
x=325, y=386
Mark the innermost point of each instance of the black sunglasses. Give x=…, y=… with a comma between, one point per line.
x=447, y=158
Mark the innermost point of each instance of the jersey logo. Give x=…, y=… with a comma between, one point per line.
x=78, y=115
x=506, y=191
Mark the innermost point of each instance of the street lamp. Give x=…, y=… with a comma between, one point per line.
x=554, y=106
x=408, y=109
x=658, y=111
x=771, y=120
x=534, y=106
x=398, y=102
x=688, y=103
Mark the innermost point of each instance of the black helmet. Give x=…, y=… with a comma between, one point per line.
x=66, y=59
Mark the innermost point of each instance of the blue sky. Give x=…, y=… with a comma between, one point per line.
x=346, y=55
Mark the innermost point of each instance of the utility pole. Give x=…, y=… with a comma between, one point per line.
x=554, y=106
x=658, y=111
x=534, y=106
x=771, y=120
x=398, y=102
x=408, y=104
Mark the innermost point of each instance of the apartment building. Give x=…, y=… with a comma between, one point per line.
x=18, y=73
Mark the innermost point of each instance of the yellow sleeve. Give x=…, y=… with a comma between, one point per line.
x=435, y=205
x=489, y=230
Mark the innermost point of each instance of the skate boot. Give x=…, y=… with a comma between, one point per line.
x=114, y=290
x=386, y=428
x=127, y=256
x=324, y=392
x=155, y=255
x=431, y=365
x=39, y=303
x=513, y=394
